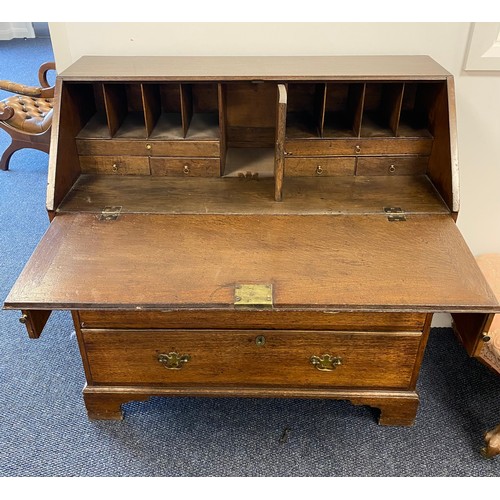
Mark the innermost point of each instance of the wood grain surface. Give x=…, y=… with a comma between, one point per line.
x=313, y=262
x=301, y=195
x=194, y=68
x=369, y=360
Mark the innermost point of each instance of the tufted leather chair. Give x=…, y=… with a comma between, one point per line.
x=27, y=115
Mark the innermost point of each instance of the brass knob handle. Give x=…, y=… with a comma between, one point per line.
x=114, y=167
x=260, y=340
x=173, y=360
x=186, y=169
x=357, y=149
x=23, y=319
x=326, y=362
x=319, y=170
x=392, y=169
x=148, y=146
x=485, y=337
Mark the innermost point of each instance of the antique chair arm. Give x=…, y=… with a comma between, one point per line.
x=45, y=90
x=6, y=113
x=42, y=73
x=17, y=88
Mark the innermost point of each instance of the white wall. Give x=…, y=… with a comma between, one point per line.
x=478, y=95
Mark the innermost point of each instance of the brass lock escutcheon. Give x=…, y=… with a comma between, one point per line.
x=173, y=360
x=326, y=362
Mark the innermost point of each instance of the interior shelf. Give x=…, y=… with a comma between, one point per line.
x=246, y=162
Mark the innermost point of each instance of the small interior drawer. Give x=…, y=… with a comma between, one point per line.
x=181, y=147
x=185, y=148
x=185, y=167
x=392, y=165
x=283, y=320
x=121, y=165
x=105, y=147
x=215, y=357
x=357, y=146
x=320, y=166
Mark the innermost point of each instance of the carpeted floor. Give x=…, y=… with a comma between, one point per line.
x=44, y=430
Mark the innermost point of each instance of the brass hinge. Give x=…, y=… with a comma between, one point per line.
x=395, y=214
x=253, y=296
x=110, y=213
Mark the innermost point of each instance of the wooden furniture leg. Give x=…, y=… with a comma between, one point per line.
x=492, y=443
x=106, y=406
x=5, y=160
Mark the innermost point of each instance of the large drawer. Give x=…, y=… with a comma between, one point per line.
x=215, y=357
x=151, y=148
x=277, y=320
x=357, y=146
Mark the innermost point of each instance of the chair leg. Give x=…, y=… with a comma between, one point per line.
x=5, y=160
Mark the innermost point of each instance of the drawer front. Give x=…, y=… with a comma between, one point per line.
x=356, y=146
x=274, y=358
x=121, y=165
x=185, y=167
x=185, y=148
x=280, y=320
x=101, y=147
x=110, y=147
x=320, y=166
x=392, y=165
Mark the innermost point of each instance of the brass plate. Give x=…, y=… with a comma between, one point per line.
x=253, y=295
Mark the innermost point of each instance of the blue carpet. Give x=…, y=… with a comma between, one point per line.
x=44, y=430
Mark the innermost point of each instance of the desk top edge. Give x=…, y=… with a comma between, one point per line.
x=123, y=68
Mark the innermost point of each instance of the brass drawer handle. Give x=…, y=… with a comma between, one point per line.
x=325, y=363
x=186, y=169
x=173, y=360
x=319, y=170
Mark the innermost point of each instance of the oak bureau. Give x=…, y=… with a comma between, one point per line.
x=254, y=226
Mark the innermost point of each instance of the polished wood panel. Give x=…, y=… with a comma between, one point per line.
x=243, y=195
x=367, y=359
x=185, y=167
x=121, y=165
x=367, y=258
x=271, y=319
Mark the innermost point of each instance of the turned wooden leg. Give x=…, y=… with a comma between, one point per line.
x=5, y=160
x=492, y=441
